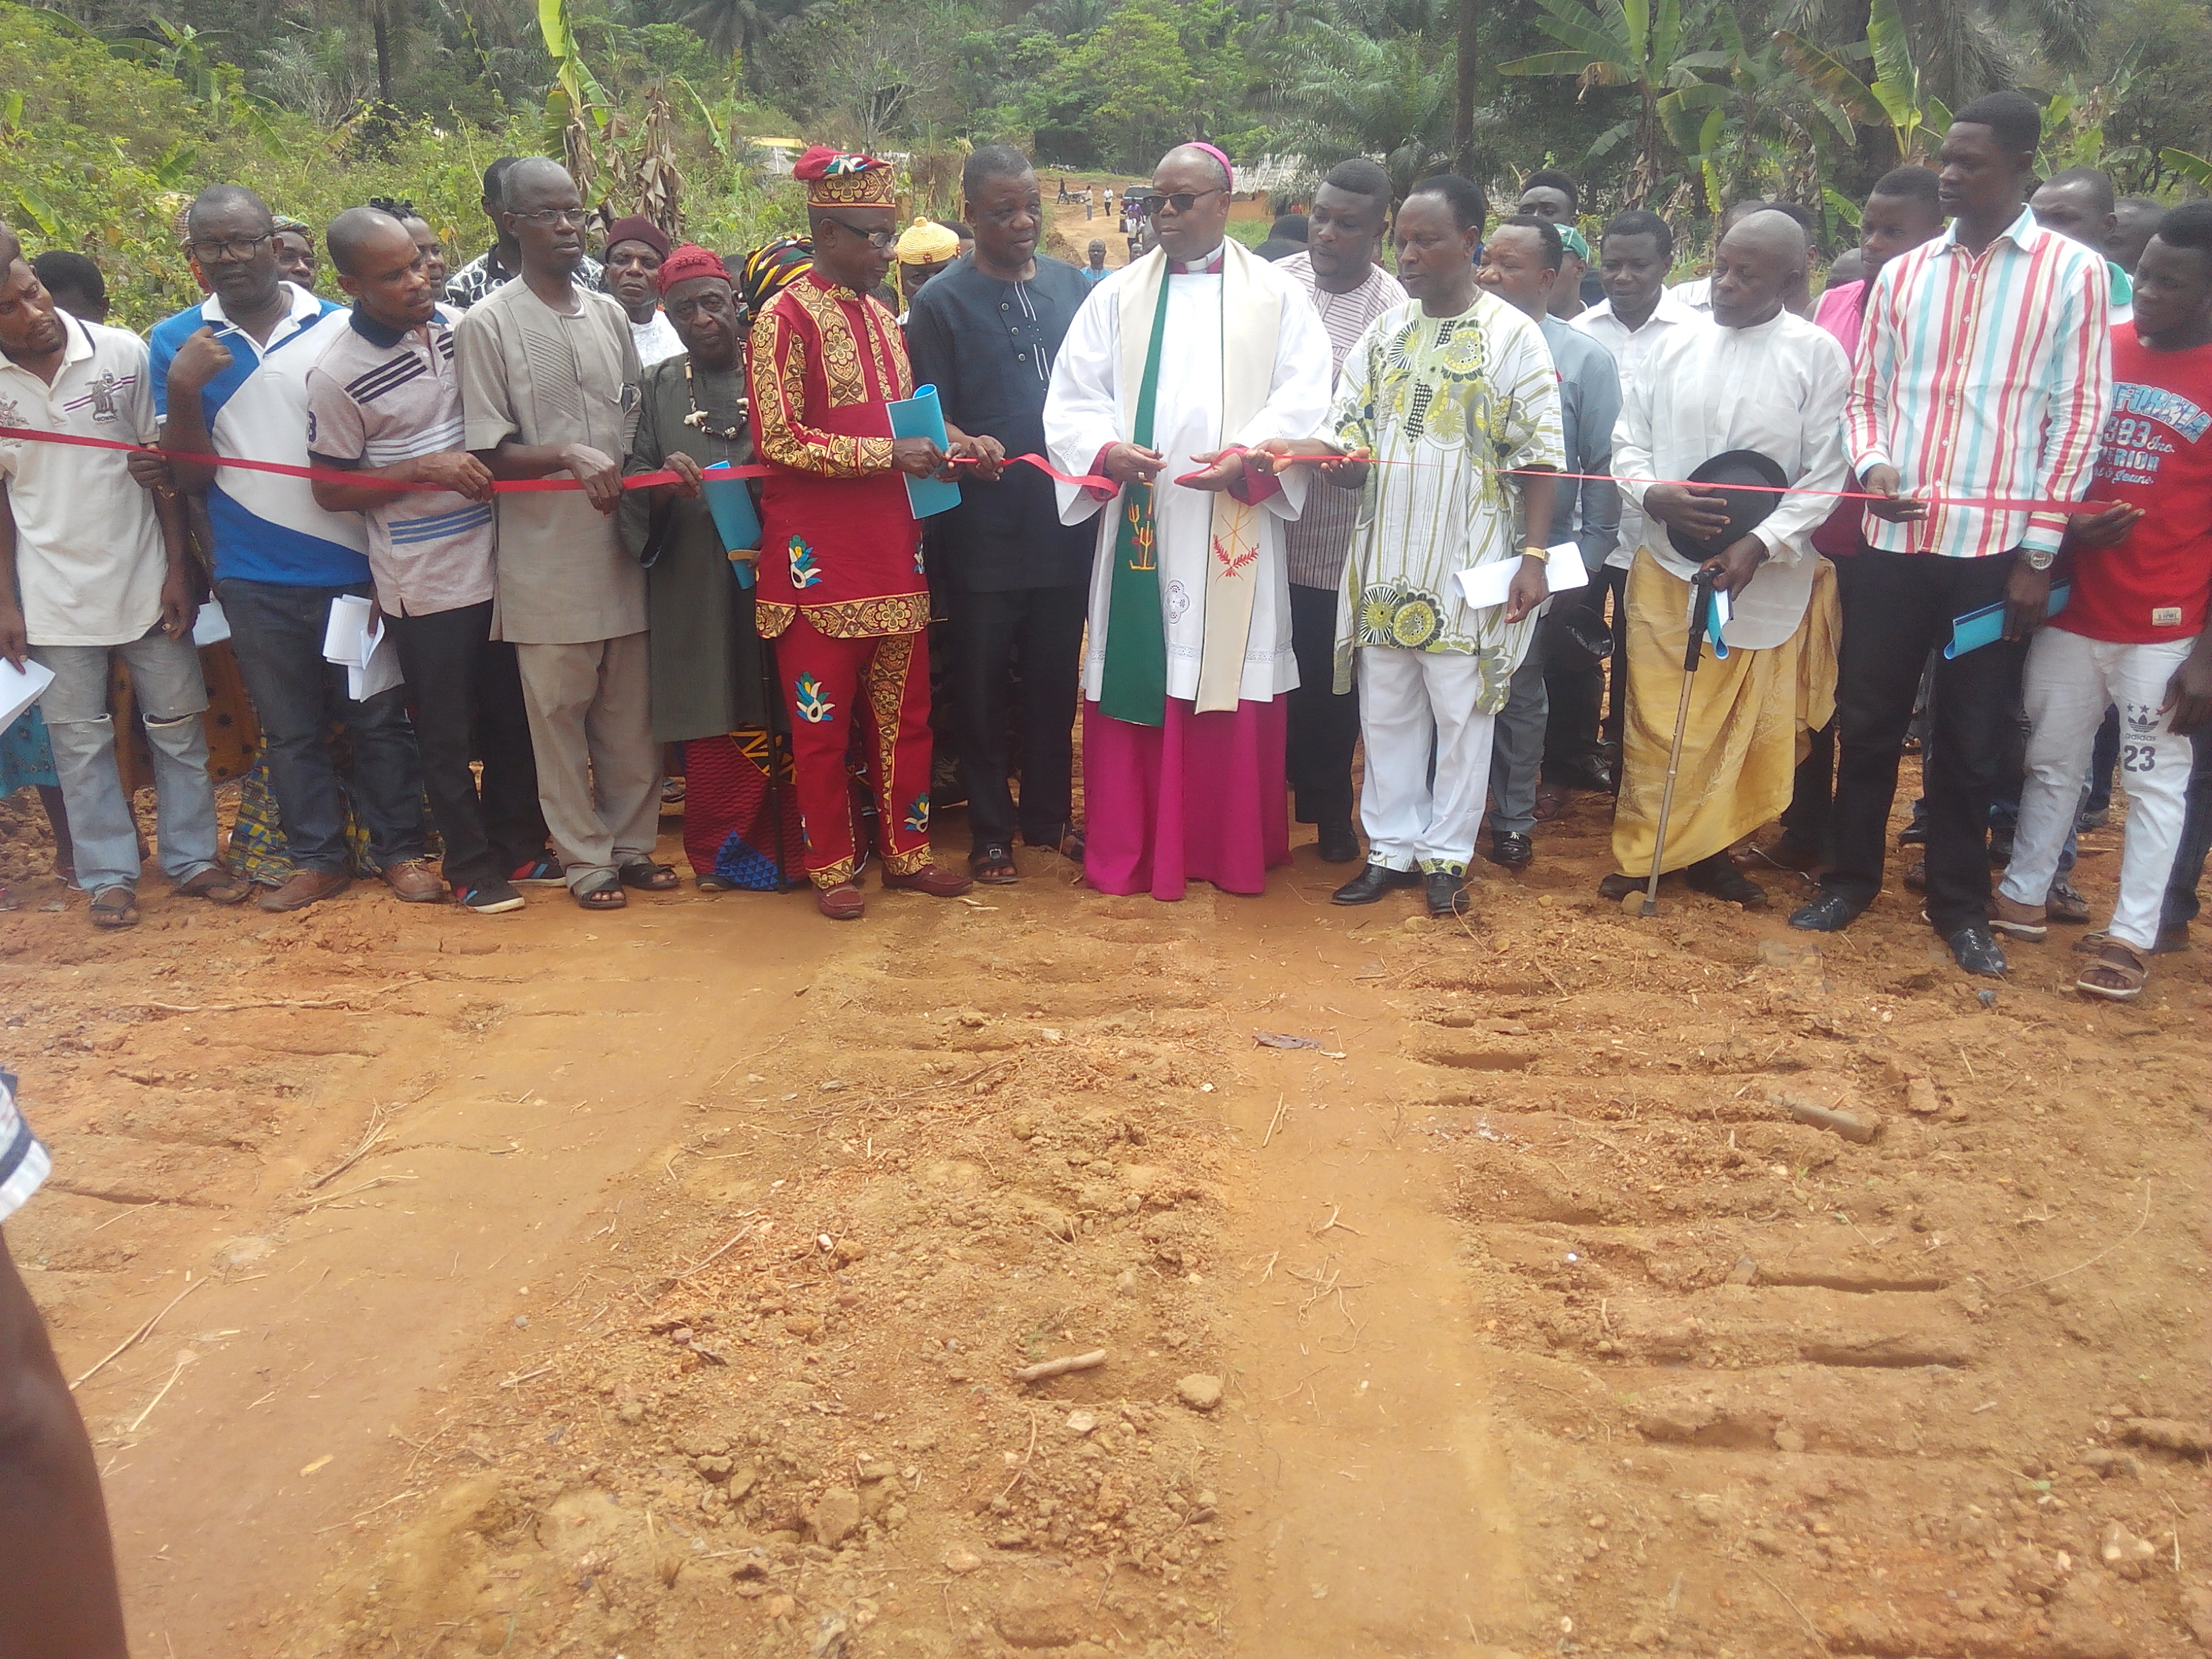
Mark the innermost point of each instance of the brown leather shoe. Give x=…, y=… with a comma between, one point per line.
x=304, y=888
x=842, y=902
x=415, y=882
x=938, y=883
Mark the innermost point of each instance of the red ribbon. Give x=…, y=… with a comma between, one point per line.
x=505, y=487
x=1081, y=481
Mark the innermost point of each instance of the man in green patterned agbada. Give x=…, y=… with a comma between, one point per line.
x=1440, y=399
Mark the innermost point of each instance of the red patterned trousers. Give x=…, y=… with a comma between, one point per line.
x=879, y=688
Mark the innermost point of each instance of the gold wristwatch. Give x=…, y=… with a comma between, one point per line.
x=1541, y=555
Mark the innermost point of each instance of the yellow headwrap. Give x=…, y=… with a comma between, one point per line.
x=925, y=242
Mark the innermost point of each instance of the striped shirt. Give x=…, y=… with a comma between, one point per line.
x=23, y=1161
x=1983, y=374
x=1316, y=542
x=377, y=397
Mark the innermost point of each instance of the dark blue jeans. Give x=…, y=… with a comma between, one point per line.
x=2195, y=839
x=278, y=633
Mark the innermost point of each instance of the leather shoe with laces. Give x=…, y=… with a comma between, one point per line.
x=1831, y=912
x=1370, y=883
x=1511, y=850
x=1974, y=949
x=1447, y=894
x=1337, y=844
x=938, y=883
x=303, y=888
x=415, y=882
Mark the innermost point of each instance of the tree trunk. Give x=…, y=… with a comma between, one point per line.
x=1463, y=112
x=382, y=25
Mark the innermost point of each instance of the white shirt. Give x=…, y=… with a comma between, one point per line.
x=1630, y=347
x=1696, y=294
x=656, y=339
x=1083, y=410
x=88, y=551
x=1778, y=388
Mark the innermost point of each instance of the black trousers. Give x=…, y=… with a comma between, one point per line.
x=1038, y=632
x=1324, y=728
x=1580, y=695
x=1896, y=607
x=468, y=699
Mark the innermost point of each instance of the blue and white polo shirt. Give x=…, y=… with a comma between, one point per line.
x=267, y=527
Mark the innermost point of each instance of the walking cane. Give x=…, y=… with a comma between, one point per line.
x=1701, y=605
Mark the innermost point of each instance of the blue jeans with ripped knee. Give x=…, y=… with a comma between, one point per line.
x=165, y=680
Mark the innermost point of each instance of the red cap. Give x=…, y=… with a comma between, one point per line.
x=690, y=260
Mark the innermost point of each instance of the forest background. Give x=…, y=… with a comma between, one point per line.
x=112, y=113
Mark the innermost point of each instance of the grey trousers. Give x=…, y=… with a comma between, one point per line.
x=1516, y=751
x=599, y=768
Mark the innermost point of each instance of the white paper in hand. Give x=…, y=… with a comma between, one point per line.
x=381, y=673
x=347, y=637
x=211, y=627
x=1488, y=584
x=21, y=687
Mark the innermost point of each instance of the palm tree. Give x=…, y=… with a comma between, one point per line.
x=740, y=28
x=1350, y=95
x=1629, y=45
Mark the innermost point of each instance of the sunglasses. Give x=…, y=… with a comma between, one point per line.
x=875, y=238
x=1178, y=202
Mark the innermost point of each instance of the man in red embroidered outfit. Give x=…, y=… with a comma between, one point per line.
x=841, y=589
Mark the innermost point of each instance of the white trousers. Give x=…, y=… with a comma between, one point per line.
x=1414, y=705
x=2067, y=685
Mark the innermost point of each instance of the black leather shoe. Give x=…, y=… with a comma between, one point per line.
x=1447, y=894
x=1337, y=844
x=1511, y=849
x=1588, y=772
x=1831, y=912
x=1718, y=878
x=1370, y=883
x=1914, y=834
x=1974, y=950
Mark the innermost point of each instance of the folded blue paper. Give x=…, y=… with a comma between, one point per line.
x=1986, y=626
x=918, y=417
x=731, y=504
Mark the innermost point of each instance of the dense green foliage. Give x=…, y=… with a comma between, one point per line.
x=114, y=111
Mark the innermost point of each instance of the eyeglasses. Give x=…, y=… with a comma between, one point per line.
x=875, y=238
x=1178, y=201
x=708, y=302
x=555, y=218
x=237, y=249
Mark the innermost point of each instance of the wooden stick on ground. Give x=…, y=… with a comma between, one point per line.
x=137, y=1335
x=1078, y=1362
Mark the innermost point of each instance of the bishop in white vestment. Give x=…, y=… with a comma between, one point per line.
x=1175, y=366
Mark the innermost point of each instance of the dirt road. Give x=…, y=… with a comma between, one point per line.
x=653, y=1283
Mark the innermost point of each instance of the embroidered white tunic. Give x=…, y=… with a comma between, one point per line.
x=1084, y=411
x=1445, y=403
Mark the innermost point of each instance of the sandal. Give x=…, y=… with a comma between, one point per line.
x=115, y=907
x=1551, y=801
x=993, y=864
x=1069, y=843
x=2117, y=973
x=647, y=876
x=711, y=882
x=600, y=891
x=216, y=885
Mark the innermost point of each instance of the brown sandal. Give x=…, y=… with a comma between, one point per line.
x=216, y=885
x=1551, y=802
x=2117, y=973
x=115, y=907
x=993, y=864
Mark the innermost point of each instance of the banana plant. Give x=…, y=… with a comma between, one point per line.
x=576, y=105
x=1900, y=96
x=1652, y=48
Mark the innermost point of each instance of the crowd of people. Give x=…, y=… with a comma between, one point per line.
x=1242, y=513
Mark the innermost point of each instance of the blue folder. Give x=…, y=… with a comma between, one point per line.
x=1986, y=626
x=918, y=417
x=731, y=504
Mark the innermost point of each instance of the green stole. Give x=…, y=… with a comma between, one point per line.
x=1133, y=685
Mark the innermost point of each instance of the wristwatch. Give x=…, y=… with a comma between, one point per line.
x=2038, y=559
x=1541, y=555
